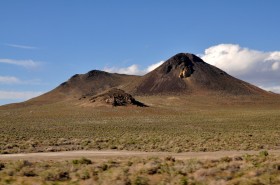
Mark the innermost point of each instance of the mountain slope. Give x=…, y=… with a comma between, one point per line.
x=94, y=82
x=187, y=73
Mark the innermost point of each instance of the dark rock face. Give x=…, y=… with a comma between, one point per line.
x=181, y=61
x=116, y=97
x=169, y=77
x=96, y=73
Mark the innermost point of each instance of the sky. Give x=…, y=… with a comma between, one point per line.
x=44, y=43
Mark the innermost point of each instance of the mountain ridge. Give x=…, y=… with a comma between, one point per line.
x=180, y=75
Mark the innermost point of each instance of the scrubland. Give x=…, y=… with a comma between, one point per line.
x=247, y=169
x=170, y=124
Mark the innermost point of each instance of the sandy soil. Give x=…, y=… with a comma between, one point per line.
x=104, y=155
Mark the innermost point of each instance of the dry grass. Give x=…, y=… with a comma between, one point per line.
x=248, y=169
x=170, y=124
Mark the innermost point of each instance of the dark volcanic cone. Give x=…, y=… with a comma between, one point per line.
x=114, y=97
x=187, y=73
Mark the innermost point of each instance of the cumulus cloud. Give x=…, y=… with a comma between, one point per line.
x=275, y=66
x=133, y=69
x=257, y=67
x=21, y=46
x=18, y=95
x=24, y=63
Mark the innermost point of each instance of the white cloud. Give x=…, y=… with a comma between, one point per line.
x=258, y=67
x=237, y=60
x=133, y=69
x=275, y=89
x=18, y=95
x=21, y=46
x=9, y=80
x=275, y=66
x=154, y=66
x=24, y=63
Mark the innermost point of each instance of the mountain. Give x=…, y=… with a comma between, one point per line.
x=186, y=73
x=92, y=83
x=182, y=74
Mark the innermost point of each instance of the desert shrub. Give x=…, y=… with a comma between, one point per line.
x=238, y=158
x=152, y=167
x=83, y=160
x=277, y=166
x=169, y=158
x=4, y=152
x=183, y=181
x=113, y=147
x=75, y=161
x=84, y=174
x=55, y=175
x=10, y=172
x=104, y=167
x=129, y=163
x=2, y=166
x=263, y=153
x=9, y=181
x=28, y=172
x=178, y=150
x=20, y=164
x=85, y=142
x=226, y=159
x=139, y=180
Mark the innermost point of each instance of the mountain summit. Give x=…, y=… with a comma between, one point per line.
x=187, y=73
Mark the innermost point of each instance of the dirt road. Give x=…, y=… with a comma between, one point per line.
x=104, y=155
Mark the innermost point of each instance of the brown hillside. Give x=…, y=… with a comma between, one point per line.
x=94, y=82
x=187, y=73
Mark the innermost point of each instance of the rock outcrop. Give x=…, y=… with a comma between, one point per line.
x=114, y=97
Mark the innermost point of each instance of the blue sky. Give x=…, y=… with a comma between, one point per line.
x=43, y=43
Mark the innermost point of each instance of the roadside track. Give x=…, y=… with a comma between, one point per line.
x=104, y=155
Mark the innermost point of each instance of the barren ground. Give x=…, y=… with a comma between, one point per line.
x=110, y=154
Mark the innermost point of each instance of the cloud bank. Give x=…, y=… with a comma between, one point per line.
x=133, y=69
x=18, y=95
x=23, y=63
x=258, y=67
